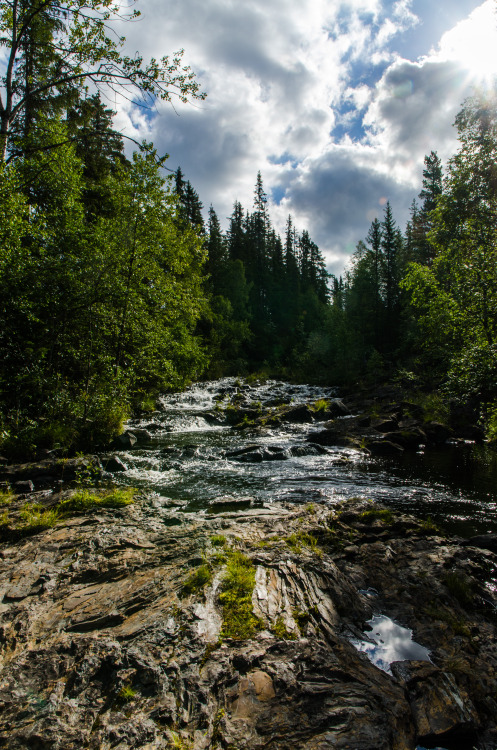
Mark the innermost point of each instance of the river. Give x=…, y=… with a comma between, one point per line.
x=184, y=463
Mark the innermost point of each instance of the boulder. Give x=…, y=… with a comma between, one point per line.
x=337, y=408
x=24, y=487
x=436, y=433
x=384, y=448
x=471, y=432
x=482, y=541
x=441, y=710
x=409, y=439
x=114, y=465
x=387, y=424
x=298, y=415
x=126, y=440
x=297, y=451
x=330, y=436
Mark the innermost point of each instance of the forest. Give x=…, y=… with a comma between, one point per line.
x=115, y=288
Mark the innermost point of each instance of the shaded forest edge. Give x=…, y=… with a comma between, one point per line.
x=114, y=289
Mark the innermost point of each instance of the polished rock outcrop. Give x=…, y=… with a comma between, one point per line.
x=101, y=648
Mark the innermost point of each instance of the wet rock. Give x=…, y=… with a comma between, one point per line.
x=297, y=451
x=152, y=427
x=436, y=433
x=142, y=435
x=384, y=448
x=126, y=440
x=237, y=416
x=114, y=464
x=408, y=439
x=385, y=425
x=471, y=432
x=441, y=710
x=483, y=541
x=298, y=414
x=24, y=487
x=212, y=417
x=330, y=436
x=221, y=504
x=258, y=453
x=337, y=408
x=241, y=451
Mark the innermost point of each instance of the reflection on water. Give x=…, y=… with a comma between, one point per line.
x=186, y=461
x=388, y=642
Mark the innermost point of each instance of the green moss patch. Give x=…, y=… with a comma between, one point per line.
x=236, y=598
x=281, y=631
x=197, y=581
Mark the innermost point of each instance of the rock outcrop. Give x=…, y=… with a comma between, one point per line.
x=115, y=632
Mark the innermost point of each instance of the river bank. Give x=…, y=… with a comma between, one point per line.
x=117, y=632
x=246, y=576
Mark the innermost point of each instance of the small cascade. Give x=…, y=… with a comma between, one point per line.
x=189, y=454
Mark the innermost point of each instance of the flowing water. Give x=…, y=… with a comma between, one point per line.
x=185, y=463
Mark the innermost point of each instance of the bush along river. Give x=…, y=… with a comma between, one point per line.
x=254, y=565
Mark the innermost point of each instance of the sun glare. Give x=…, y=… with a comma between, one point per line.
x=473, y=43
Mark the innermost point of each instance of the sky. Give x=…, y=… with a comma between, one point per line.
x=335, y=102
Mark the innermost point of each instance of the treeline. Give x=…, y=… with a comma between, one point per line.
x=100, y=280
x=113, y=289
x=421, y=304
x=266, y=295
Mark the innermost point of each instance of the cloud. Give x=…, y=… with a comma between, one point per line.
x=312, y=93
x=339, y=195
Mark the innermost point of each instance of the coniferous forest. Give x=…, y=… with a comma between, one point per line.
x=116, y=286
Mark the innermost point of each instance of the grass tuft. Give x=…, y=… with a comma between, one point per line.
x=85, y=500
x=6, y=497
x=302, y=539
x=380, y=514
x=320, y=405
x=196, y=581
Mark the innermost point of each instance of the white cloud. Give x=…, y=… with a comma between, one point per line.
x=279, y=78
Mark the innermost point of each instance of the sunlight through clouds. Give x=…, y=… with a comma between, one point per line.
x=473, y=43
x=327, y=100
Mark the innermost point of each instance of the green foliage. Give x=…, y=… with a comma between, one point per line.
x=377, y=514
x=85, y=331
x=301, y=539
x=491, y=422
x=236, y=598
x=197, y=581
x=36, y=518
x=281, y=631
x=434, y=405
x=455, y=299
x=85, y=500
x=55, y=50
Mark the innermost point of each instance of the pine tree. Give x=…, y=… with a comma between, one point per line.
x=216, y=252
